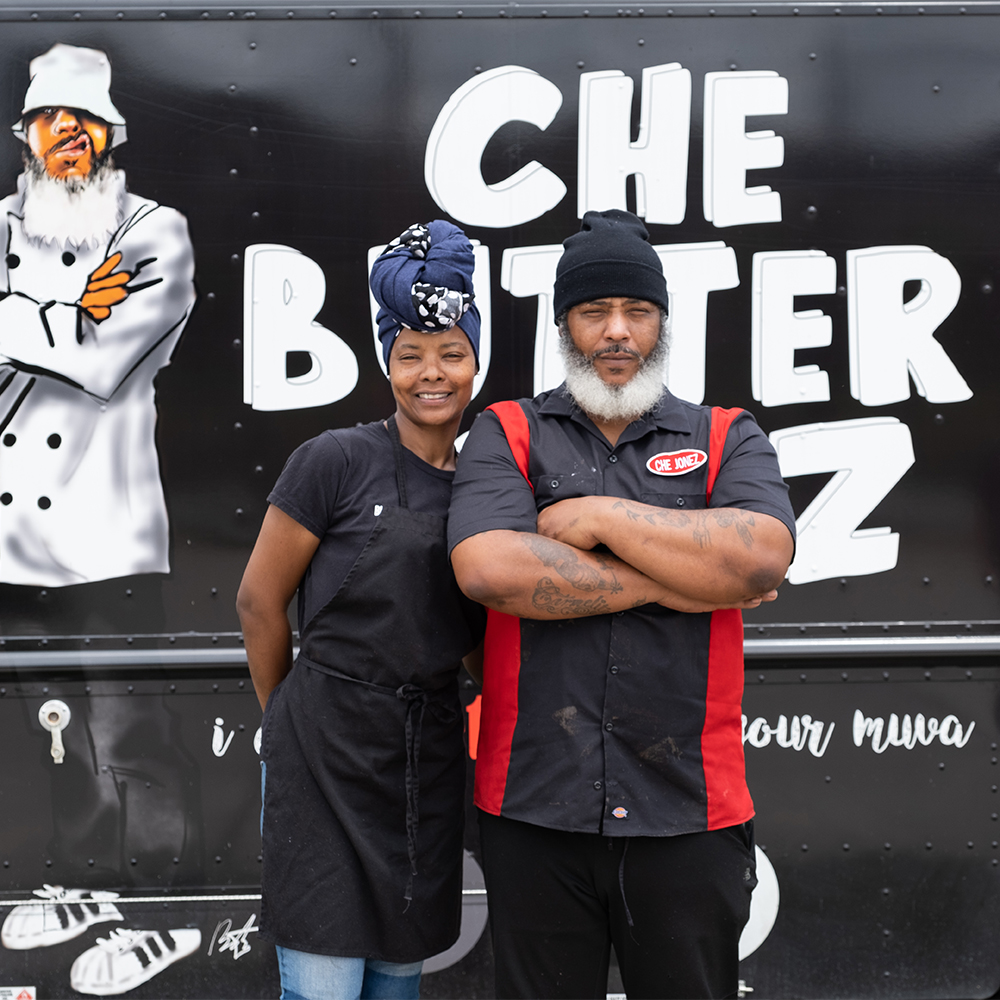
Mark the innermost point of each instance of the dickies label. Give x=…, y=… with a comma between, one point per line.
x=676, y=463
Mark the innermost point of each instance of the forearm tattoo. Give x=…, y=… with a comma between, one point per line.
x=701, y=521
x=579, y=574
x=550, y=599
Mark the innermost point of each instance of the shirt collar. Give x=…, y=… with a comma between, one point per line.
x=669, y=414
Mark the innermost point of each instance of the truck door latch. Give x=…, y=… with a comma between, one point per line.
x=54, y=716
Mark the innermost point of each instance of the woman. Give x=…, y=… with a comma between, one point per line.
x=363, y=765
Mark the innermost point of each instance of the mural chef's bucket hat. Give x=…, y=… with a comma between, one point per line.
x=68, y=76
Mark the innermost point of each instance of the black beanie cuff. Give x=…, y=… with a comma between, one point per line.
x=600, y=279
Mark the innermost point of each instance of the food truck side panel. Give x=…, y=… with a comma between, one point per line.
x=820, y=184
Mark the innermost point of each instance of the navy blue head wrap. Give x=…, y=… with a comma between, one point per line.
x=423, y=281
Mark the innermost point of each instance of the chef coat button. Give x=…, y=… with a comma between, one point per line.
x=680, y=501
x=53, y=441
x=614, y=669
x=612, y=458
x=13, y=260
x=9, y=439
x=69, y=259
x=44, y=502
x=5, y=498
x=597, y=785
x=608, y=726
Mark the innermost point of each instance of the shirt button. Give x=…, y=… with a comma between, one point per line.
x=619, y=613
x=597, y=785
x=614, y=669
x=612, y=458
x=608, y=726
x=554, y=484
x=680, y=501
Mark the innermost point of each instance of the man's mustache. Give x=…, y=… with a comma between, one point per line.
x=617, y=350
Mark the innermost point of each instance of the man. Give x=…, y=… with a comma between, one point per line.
x=614, y=531
x=96, y=285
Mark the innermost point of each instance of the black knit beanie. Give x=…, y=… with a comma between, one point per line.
x=610, y=256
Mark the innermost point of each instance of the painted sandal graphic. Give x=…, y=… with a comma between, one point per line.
x=127, y=958
x=65, y=914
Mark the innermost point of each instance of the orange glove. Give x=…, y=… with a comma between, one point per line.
x=105, y=288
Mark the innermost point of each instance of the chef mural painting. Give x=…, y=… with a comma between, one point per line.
x=96, y=284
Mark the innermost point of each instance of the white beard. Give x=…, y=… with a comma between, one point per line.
x=614, y=402
x=82, y=214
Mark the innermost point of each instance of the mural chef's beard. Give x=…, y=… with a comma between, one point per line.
x=614, y=402
x=79, y=212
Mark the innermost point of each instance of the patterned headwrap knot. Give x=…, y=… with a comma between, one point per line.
x=423, y=281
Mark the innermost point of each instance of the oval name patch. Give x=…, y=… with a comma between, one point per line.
x=676, y=463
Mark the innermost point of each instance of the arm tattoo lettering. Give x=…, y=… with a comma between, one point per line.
x=550, y=599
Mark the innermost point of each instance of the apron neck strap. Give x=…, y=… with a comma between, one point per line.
x=397, y=454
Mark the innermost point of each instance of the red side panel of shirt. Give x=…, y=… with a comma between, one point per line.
x=501, y=655
x=722, y=735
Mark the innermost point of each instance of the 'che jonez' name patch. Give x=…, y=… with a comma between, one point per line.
x=676, y=463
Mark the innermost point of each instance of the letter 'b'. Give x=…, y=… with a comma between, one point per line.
x=283, y=290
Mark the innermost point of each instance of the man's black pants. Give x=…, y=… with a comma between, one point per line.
x=673, y=907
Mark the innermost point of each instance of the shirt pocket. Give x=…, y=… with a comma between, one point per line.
x=675, y=501
x=552, y=487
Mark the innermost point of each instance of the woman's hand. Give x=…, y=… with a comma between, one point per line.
x=473, y=663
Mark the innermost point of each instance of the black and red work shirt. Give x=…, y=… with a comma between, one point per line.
x=625, y=724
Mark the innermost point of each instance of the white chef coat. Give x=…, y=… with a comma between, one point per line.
x=80, y=491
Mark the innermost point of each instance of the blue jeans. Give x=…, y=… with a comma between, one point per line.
x=305, y=976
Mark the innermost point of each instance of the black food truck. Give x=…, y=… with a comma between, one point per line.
x=821, y=180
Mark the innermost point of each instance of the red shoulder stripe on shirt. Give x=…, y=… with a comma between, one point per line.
x=721, y=422
x=501, y=655
x=728, y=799
x=515, y=426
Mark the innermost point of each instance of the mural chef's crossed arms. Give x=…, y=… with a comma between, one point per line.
x=890, y=340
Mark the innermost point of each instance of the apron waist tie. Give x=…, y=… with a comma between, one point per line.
x=417, y=699
x=416, y=702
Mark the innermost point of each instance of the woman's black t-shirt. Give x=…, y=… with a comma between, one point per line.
x=335, y=485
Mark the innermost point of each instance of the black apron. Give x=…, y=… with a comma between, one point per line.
x=365, y=761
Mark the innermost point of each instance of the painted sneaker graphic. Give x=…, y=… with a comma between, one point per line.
x=65, y=914
x=127, y=958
